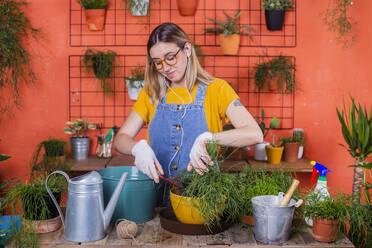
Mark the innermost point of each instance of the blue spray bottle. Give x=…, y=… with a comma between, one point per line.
x=321, y=185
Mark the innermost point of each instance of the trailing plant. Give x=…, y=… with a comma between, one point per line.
x=93, y=4
x=215, y=190
x=78, y=128
x=356, y=128
x=261, y=123
x=102, y=64
x=230, y=26
x=137, y=77
x=280, y=70
x=15, y=66
x=277, y=5
x=339, y=22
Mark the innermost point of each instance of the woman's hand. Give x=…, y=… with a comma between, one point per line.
x=146, y=161
x=199, y=153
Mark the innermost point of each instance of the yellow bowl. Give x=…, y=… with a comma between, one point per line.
x=186, y=210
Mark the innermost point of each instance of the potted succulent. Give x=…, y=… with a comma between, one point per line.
x=275, y=75
x=327, y=212
x=298, y=133
x=275, y=12
x=79, y=142
x=259, y=149
x=137, y=7
x=102, y=64
x=15, y=65
x=95, y=12
x=187, y=8
x=230, y=32
x=135, y=82
x=291, y=147
x=274, y=151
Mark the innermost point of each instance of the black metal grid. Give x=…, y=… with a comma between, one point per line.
x=122, y=29
x=87, y=100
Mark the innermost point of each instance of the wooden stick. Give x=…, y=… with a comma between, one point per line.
x=289, y=193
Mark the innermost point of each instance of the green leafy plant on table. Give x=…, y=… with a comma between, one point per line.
x=275, y=75
x=102, y=65
x=79, y=128
x=15, y=67
x=339, y=21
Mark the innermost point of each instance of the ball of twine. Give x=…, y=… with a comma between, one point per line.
x=126, y=229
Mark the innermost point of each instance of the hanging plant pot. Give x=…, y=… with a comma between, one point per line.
x=187, y=7
x=95, y=19
x=230, y=44
x=139, y=7
x=274, y=154
x=274, y=19
x=134, y=88
x=325, y=230
x=291, y=152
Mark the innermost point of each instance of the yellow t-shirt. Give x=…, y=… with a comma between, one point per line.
x=218, y=96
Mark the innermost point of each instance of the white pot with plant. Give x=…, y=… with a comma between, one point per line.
x=80, y=141
x=135, y=82
x=259, y=149
x=138, y=7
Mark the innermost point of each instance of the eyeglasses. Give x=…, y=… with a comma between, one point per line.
x=170, y=60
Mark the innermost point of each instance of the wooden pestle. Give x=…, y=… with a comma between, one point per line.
x=289, y=193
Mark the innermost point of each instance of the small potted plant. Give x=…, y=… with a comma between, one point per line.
x=230, y=32
x=298, y=134
x=137, y=7
x=259, y=149
x=187, y=8
x=79, y=142
x=275, y=75
x=54, y=149
x=327, y=213
x=291, y=147
x=135, y=82
x=274, y=151
x=275, y=12
x=95, y=12
x=102, y=64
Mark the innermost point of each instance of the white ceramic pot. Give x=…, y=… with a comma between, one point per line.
x=300, y=151
x=139, y=7
x=260, y=152
x=134, y=91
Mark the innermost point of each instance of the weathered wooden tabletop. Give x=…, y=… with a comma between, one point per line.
x=151, y=234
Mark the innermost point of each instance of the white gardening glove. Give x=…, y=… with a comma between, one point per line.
x=199, y=152
x=146, y=161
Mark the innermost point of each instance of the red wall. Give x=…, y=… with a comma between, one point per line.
x=326, y=74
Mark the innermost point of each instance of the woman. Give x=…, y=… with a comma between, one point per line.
x=183, y=106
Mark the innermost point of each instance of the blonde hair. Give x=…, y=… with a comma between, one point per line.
x=155, y=82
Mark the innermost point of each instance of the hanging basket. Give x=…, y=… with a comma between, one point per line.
x=95, y=18
x=230, y=44
x=187, y=7
x=274, y=19
x=139, y=7
x=134, y=88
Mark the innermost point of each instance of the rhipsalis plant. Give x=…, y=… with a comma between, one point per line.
x=340, y=22
x=15, y=66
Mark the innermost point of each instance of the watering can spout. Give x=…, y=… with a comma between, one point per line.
x=110, y=208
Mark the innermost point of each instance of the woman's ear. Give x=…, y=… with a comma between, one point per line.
x=187, y=49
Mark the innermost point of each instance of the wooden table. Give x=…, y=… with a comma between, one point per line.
x=151, y=234
x=94, y=163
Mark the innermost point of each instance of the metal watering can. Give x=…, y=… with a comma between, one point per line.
x=86, y=219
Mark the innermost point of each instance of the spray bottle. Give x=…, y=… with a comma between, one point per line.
x=321, y=185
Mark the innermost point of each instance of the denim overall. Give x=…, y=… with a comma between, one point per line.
x=172, y=133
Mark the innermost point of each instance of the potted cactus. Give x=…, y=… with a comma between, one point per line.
x=79, y=142
x=291, y=146
x=95, y=12
x=298, y=133
x=274, y=151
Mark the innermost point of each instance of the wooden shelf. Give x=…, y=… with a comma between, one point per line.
x=89, y=164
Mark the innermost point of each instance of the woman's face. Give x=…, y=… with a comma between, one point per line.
x=170, y=60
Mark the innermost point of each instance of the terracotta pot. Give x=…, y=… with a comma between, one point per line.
x=230, y=44
x=325, y=230
x=274, y=154
x=187, y=7
x=291, y=152
x=95, y=18
x=247, y=219
x=44, y=226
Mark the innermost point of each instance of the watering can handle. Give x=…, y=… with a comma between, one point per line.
x=52, y=196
